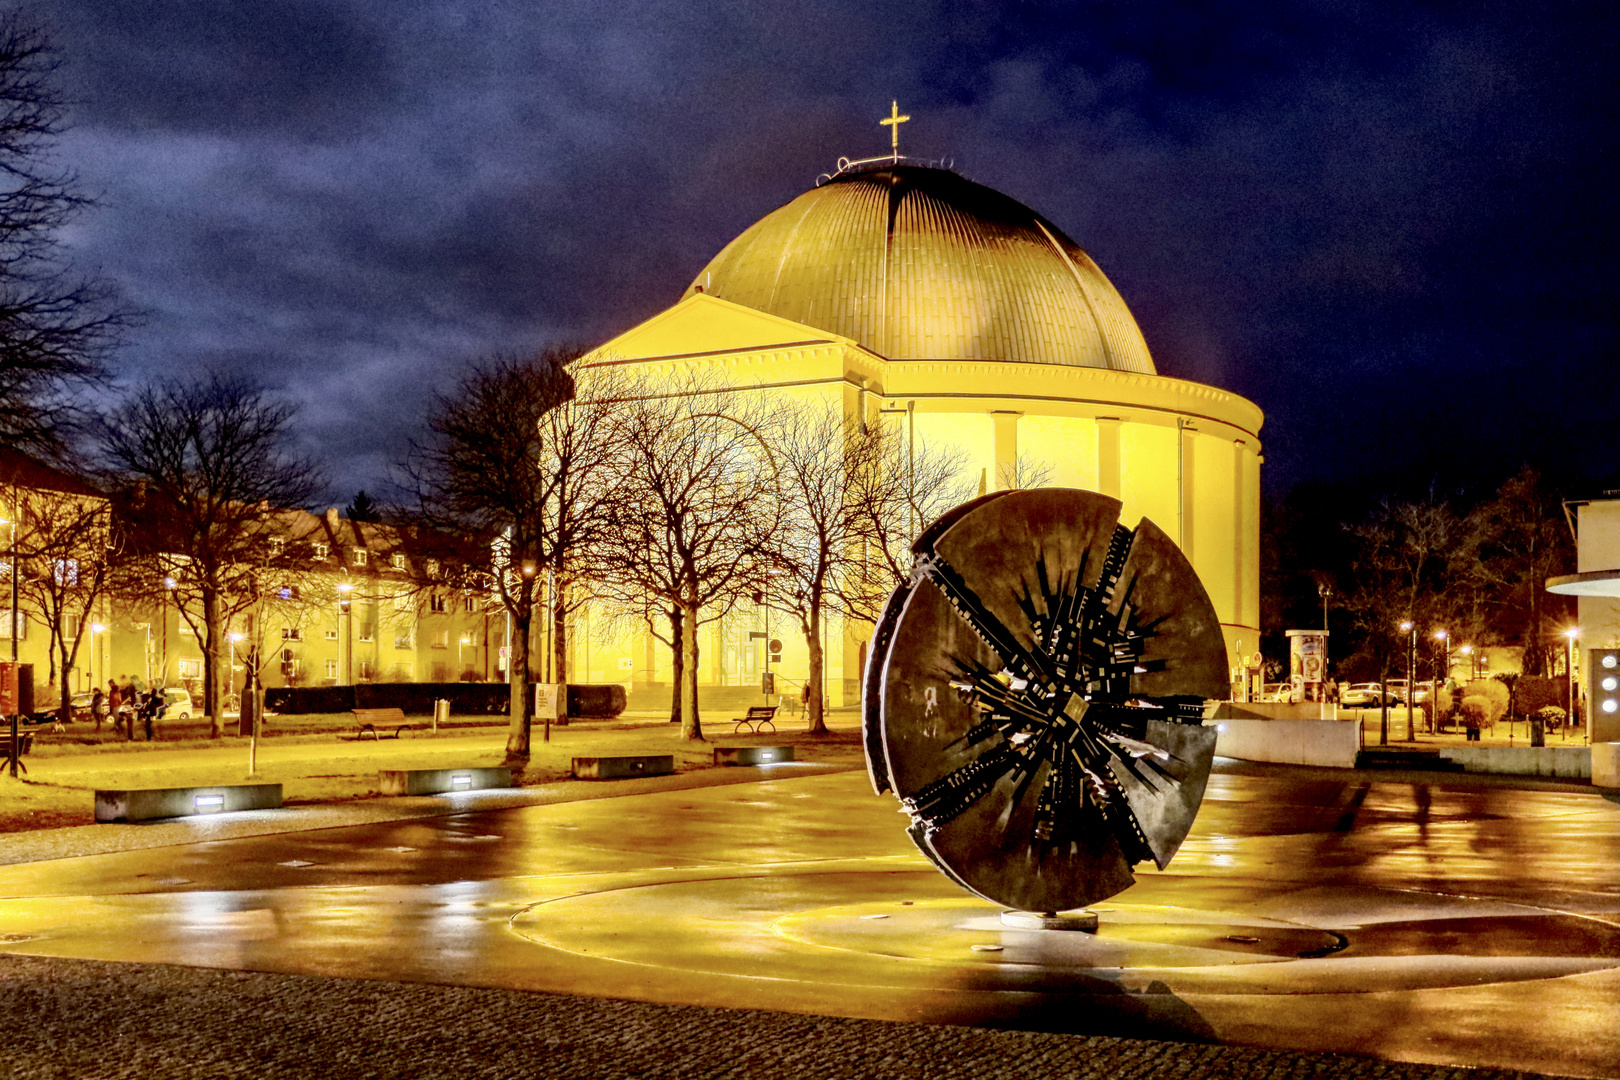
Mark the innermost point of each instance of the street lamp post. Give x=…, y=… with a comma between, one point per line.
x=1569, y=672
x=15, y=629
x=1434, y=691
x=1324, y=590
x=345, y=660
x=1410, y=629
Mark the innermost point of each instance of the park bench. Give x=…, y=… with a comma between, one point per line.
x=758, y=716
x=25, y=743
x=374, y=723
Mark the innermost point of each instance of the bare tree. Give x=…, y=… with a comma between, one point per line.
x=207, y=464
x=65, y=555
x=929, y=480
x=1521, y=541
x=516, y=461
x=697, y=504
x=1024, y=473
x=836, y=481
x=55, y=328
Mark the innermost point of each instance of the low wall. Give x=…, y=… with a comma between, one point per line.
x=1274, y=710
x=1606, y=764
x=1332, y=743
x=1565, y=762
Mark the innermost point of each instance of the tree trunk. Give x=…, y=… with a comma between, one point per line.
x=814, y=711
x=213, y=634
x=517, y=666
x=691, y=728
x=677, y=679
x=559, y=651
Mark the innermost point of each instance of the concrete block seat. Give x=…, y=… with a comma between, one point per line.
x=150, y=804
x=440, y=781
x=752, y=755
x=623, y=766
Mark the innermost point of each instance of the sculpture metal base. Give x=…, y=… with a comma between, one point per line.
x=1031, y=920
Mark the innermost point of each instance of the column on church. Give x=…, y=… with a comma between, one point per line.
x=1108, y=475
x=1005, y=474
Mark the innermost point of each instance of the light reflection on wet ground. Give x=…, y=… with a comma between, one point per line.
x=1472, y=925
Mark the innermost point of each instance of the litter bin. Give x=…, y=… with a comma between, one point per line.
x=441, y=713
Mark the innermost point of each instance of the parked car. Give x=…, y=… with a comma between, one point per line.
x=176, y=703
x=1367, y=695
x=79, y=709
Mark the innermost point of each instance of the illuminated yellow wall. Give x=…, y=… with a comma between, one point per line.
x=1180, y=453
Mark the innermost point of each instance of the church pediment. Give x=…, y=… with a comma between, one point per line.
x=703, y=325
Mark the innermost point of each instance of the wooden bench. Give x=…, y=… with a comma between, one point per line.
x=758, y=716
x=25, y=743
x=376, y=722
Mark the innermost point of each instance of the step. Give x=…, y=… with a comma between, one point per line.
x=149, y=804
x=623, y=767
x=441, y=781
x=1390, y=758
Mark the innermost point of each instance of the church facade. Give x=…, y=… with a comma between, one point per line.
x=907, y=294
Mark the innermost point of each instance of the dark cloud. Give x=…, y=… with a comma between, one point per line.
x=1387, y=224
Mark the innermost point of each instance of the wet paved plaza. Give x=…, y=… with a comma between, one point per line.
x=1445, y=922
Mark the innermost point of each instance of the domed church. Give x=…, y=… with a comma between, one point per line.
x=904, y=288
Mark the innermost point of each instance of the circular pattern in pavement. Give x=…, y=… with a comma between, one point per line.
x=871, y=924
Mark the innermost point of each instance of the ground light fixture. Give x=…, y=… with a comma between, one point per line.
x=208, y=804
x=461, y=782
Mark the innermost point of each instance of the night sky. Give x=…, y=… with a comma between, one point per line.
x=1391, y=226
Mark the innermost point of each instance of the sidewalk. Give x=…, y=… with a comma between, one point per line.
x=1516, y=733
x=316, y=763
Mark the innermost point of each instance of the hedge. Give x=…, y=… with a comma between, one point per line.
x=416, y=699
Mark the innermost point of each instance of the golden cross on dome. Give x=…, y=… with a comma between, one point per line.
x=893, y=124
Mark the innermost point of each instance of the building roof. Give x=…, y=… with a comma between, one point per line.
x=20, y=470
x=919, y=263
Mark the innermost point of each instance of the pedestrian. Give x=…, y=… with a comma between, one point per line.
x=115, y=704
x=98, y=708
x=150, y=711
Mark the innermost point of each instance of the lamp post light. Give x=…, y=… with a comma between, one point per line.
x=1324, y=590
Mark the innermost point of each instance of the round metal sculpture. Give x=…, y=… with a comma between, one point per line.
x=1035, y=697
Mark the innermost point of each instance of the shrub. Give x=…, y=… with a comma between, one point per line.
x=1476, y=712
x=1494, y=694
x=1551, y=715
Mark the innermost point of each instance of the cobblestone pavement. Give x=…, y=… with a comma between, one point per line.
x=93, y=1020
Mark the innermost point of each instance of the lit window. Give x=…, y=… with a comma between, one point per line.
x=288, y=592
x=398, y=561
x=277, y=546
x=402, y=641
x=322, y=551
x=432, y=568
x=441, y=639
x=359, y=556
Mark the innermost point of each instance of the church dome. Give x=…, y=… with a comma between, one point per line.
x=918, y=263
